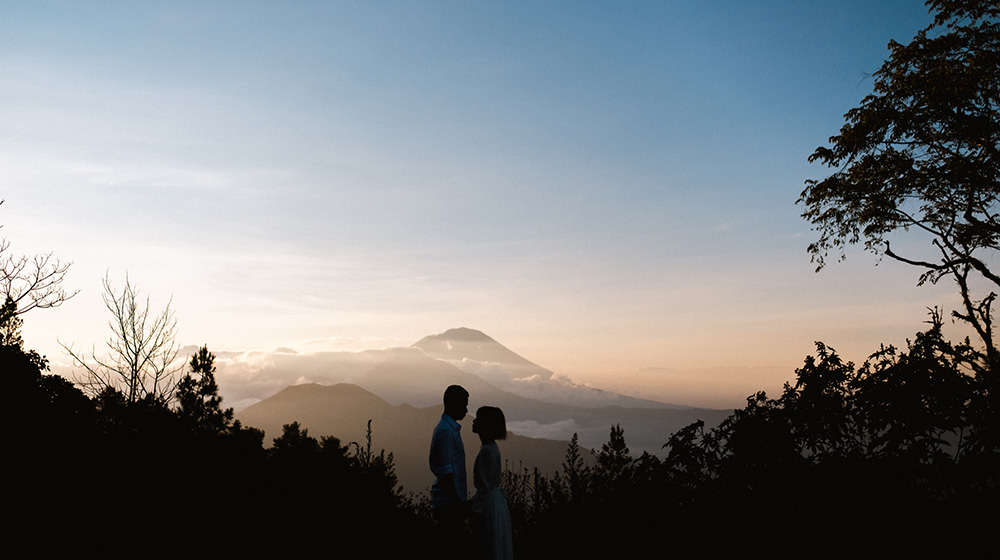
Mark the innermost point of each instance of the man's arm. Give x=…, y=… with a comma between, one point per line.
x=448, y=482
x=442, y=448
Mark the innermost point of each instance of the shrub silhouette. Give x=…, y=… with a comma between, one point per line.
x=896, y=456
x=126, y=479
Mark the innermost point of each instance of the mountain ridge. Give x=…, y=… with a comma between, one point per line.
x=464, y=343
x=477, y=353
x=400, y=390
x=343, y=411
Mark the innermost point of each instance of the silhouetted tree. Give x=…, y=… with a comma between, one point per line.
x=10, y=336
x=142, y=348
x=613, y=466
x=294, y=439
x=575, y=470
x=32, y=282
x=690, y=460
x=198, y=400
x=121, y=475
x=324, y=500
x=897, y=455
x=36, y=408
x=921, y=153
x=380, y=467
x=915, y=404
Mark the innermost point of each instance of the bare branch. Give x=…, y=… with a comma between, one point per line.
x=33, y=282
x=142, y=359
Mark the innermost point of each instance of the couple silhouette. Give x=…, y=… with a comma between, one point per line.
x=486, y=512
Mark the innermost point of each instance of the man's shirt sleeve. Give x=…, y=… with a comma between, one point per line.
x=442, y=448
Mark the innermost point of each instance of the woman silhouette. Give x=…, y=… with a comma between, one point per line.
x=491, y=518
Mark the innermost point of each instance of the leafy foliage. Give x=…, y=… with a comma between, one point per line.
x=898, y=455
x=197, y=395
x=10, y=337
x=921, y=153
x=888, y=454
x=137, y=478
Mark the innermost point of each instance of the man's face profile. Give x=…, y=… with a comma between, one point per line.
x=458, y=408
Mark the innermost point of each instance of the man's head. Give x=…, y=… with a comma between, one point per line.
x=456, y=401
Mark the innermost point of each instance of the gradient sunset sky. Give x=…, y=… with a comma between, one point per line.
x=606, y=188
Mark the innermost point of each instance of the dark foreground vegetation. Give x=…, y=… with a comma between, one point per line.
x=146, y=478
x=899, y=455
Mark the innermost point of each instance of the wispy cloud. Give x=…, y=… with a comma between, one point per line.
x=562, y=430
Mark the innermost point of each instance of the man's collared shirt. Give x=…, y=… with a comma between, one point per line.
x=447, y=457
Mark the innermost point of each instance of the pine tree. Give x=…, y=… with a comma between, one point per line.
x=576, y=471
x=198, y=397
x=614, y=465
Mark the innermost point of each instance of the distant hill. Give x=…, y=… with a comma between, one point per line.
x=247, y=377
x=400, y=390
x=343, y=411
x=411, y=376
x=418, y=379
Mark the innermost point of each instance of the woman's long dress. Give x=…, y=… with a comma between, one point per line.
x=489, y=500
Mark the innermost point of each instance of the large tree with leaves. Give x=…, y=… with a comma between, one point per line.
x=920, y=154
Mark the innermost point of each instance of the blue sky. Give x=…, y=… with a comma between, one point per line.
x=604, y=187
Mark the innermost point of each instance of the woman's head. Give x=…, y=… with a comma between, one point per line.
x=490, y=422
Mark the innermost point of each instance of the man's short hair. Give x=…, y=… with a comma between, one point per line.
x=454, y=395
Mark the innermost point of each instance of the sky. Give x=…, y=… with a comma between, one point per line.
x=606, y=188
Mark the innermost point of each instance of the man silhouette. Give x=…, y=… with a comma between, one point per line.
x=447, y=460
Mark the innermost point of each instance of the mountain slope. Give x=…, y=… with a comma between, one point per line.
x=343, y=411
x=411, y=377
x=469, y=344
x=474, y=352
x=400, y=390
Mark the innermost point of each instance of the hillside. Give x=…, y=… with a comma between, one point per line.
x=400, y=391
x=417, y=379
x=343, y=411
x=477, y=353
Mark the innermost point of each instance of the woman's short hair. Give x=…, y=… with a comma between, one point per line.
x=490, y=422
